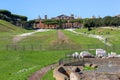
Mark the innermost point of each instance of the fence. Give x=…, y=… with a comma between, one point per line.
x=101, y=62
x=33, y=47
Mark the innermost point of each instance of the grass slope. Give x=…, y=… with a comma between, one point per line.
x=8, y=27
x=113, y=36
x=7, y=31
x=83, y=41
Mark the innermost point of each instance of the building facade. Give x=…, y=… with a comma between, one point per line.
x=40, y=24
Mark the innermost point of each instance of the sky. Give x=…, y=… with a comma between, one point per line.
x=52, y=8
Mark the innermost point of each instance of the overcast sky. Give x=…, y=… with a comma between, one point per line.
x=80, y=8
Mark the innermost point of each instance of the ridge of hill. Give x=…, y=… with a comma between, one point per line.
x=8, y=27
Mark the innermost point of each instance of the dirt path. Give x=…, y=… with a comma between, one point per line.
x=62, y=37
x=18, y=38
x=39, y=74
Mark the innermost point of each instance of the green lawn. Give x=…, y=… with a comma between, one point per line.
x=37, y=41
x=44, y=38
x=113, y=36
x=20, y=64
x=84, y=41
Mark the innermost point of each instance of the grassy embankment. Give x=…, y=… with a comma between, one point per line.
x=7, y=31
x=83, y=41
x=113, y=37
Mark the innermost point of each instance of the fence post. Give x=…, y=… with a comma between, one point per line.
x=113, y=47
x=105, y=46
x=32, y=47
x=23, y=47
x=40, y=47
x=96, y=46
x=60, y=61
x=83, y=61
x=15, y=47
x=7, y=47
x=88, y=46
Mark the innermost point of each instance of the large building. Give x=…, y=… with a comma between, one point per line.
x=64, y=17
x=40, y=24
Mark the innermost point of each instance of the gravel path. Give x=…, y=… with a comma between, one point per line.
x=116, y=28
x=39, y=74
x=18, y=38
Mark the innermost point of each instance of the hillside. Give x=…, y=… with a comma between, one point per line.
x=8, y=27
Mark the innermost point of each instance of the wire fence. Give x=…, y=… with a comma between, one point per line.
x=33, y=47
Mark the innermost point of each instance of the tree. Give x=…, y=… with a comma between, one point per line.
x=5, y=15
x=76, y=20
x=107, y=21
x=5, y=12
x=50, y=21
x=88, y=23
x=29, y=24
x=115, y=21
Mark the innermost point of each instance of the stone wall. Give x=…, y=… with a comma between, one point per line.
x=58, y=75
